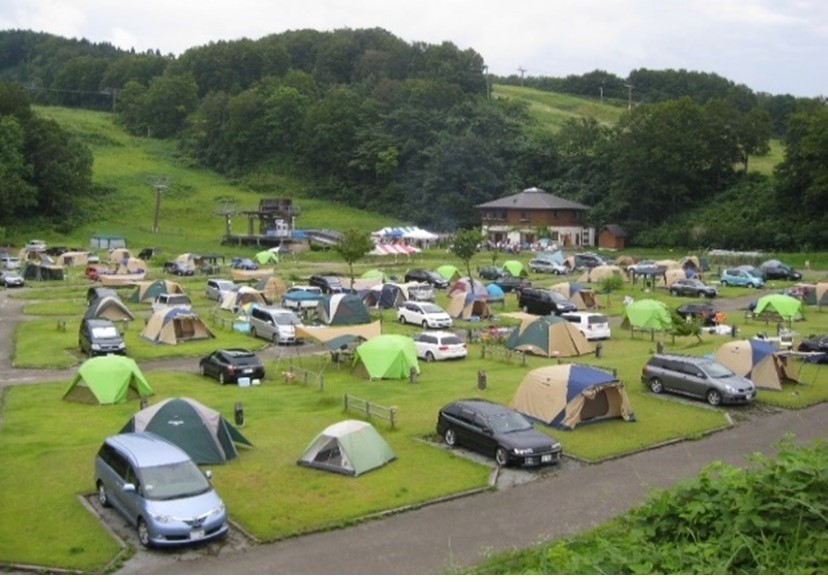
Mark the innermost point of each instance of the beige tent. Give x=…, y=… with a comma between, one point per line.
x=463, y=305
x=324, y=334
x=188, y=259
x=582, y=298
x=175, y=325
x=73, y=259
x=109, y=307
x=549, y=336
x=252, y=275
x=673, y=275
x=669, y=264
x=121, y=280
x=117, y=255
x=566, y=395
x=600, y=273
x=271, y=287
x=131, y=265
x=148, y=290
x=759, y=361
x=692, y=261
x=624, y=261
x=241, y=298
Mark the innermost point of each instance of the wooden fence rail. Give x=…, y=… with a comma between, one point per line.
x=370, y=409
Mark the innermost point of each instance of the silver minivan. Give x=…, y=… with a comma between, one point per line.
x=159, y=489
x=275, y=324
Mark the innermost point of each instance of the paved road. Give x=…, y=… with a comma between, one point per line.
x=461, y=532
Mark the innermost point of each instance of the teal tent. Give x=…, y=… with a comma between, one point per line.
x=351, y=447
x=201, y=432
x=342, y=309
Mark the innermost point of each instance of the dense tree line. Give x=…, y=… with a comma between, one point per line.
x=408, y=130
x=45, y=174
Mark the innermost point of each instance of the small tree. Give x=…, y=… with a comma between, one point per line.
x=354, y=245
x=465, y=245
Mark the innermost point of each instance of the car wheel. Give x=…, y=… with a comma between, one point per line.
x=102, y=496
x=402, y=319
x=221, y=378
x=450, y=438
x=501, y=457
x=275, y=338
x=202, y=369
x=253, y=331
x=425, y=324
x=750, y=285
x=429, y=357
x=724, y=283
x=701, y=294
x=656, y=385
x=143, y=533
x=674, y=292
x=713, y=397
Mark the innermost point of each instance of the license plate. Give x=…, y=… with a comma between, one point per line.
x=546, y=458
x=248, y=370
x=197, y=534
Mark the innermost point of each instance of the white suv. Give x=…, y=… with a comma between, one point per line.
x=592, y=325
x=439, y=345
x=165, y=300
x=423, y=313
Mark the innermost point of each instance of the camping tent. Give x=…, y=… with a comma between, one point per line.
x=175, y=325
x=474, y=286
x=201, y=432
x=647, y=314
x=386, y=356
x=119, y=254
x=817, y=294
x=388, y=296
x=515, y=268
x=673, y=275
x=582, y=297
x=265, y=257
x=784, y=306
x=566, y=395
x=108, y=380
x=149, y=290
x=448, y=272
x=374, y=274
x=757, y=360
x=35, y=272
x=109, y=307
x=549, y=336
x=250, y=274
x=131, y=266
x=271, y=287
x=495, y=292
x=73, y=259
x=324, y=334
x=351, y=447
x=342, y=309
x=463, y=305
x=668, y=264
x=241, y=298
x=600, y=273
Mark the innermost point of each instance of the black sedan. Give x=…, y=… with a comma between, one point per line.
x=705, y=311
x=509, y=283
x=230, y=364
x=491, y=273
x=181, y=269
x=818, y=345
x=692, y=288
x=433, y=278
x=496, y=431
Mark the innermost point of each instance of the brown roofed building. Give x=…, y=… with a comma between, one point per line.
x=611, y=236
x=532, y=214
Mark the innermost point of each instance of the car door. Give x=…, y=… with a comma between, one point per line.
x=692, y=380
x=117, y=473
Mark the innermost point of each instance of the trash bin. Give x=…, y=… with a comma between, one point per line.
x=481, y=380
x=239, y=414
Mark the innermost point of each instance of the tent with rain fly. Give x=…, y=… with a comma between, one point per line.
x=673, y=275
x=350, y=447
x=582, y=297
x=386, y=356
x=131, y=266
x=146, y=291
x=758, y=361
x=271, y=287
x=73, y=259
x=117, y=255
x=448, y=272
x=324, y=334
x=242, y=299
x=108, y=380
x=463, y=305
x=779, y=306
x=342, y=309
x=108, y=307
x=175, y=325
x=475, y=286
x=515, y=268
x=390, y=296
x=647, y=314
x=36, y=272
x=817, y=294
x=201, y=432
x=549, y=336
x=567, y=395
x=601, y=272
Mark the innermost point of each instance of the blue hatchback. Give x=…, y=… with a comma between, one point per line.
x=741, y=278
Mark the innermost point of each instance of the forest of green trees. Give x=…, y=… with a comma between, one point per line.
x=409, y=130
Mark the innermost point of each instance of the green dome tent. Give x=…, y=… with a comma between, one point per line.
x=647, y=314
x=351, y=447
x=386, y=356
x=785, y=306
x=515, y=268
x=201, y=432
x=108, y=380
x=374, y=274
x=448, y=272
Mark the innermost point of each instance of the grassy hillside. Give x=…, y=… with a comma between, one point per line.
x=189, y=205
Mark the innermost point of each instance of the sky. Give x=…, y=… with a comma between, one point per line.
x=772, y=46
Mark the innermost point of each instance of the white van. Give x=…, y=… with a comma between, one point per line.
x=165, y=300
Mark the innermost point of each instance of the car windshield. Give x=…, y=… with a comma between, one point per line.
x=105, y=332
x=226, y=285
x=716, y=370
x=287, y=319
x=173, y=481
x=431, y=308
x=509, y=422
x=434, y=275
x=557, y=297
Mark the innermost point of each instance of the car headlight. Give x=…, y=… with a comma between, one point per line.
x=523, y=451
x=96, y=346
x=121, y=345
x=161, y=518
x=216, y=510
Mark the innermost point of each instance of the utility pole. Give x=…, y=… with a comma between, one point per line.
x=486, y=73
x=522, y=71
x=602, y=93
x=159, y=186
x=629, y=95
